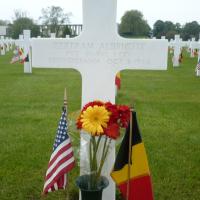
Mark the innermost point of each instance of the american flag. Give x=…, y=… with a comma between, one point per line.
x=62, y=159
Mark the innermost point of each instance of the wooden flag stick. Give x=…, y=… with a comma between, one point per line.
x=129, y=154
x=65, y=99
x=65, y=108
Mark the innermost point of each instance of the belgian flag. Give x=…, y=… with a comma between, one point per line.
x=134, y=180
x=26, y=59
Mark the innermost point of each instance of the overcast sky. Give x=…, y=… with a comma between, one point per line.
x=174, y=10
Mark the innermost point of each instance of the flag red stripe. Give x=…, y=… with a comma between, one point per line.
x=63, y=171
x=60, y=182
x=140, y=189
x=62, y=150
x=65, y=159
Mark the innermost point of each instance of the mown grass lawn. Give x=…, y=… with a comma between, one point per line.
x=168, y=107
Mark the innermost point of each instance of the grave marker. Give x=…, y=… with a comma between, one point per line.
x=52, y=35
x=27, y=51
x=3, y=52
x=192, y=47
x=177, y=45
x=24, y=43
x=98, y=54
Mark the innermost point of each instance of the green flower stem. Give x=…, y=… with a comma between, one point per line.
x=94, y=158
x=99, y=139
x=94, y=145
x=90, y=151
x=104, y=155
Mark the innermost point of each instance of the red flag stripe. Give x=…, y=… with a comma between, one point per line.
x=140, y=189
x=58, y=170
x=55, y=167
x=65, y=143
x=49, y=184
x=64, y=152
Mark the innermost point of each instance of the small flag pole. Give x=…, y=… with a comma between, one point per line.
x=64, y=109
x=130, y=152
x=65, y=100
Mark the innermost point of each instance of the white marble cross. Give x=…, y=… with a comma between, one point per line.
x=52, y=35
x=193, y=44
x=177, y=45
x=2, y=45
x=98, y=54
x=24, y=42
x=19, y=42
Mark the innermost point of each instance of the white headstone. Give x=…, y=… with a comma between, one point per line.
x=7, y=44
x=199, y=52
x=177, y=50
x=98, y=54
x=163, y=37
x=192, y=48
x=3, y=30
x=53, y=35
x=198, y=72
x=66, y=36
x=20, y=41
x=3, y=52
x=27, y=64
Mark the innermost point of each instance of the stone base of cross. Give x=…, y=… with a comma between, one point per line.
x=98, y=54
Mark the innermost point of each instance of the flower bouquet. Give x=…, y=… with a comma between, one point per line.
x=102, y=121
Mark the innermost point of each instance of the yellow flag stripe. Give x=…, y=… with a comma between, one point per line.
x=139, y=165
x=118, y=75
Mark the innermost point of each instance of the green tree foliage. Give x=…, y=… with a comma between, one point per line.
x=66, y=31
x=3, y=22
x=159, y=29
x=190, y=30
x=23, y=23
x=178, y=28
x=167, y=28
x=54, y=17
x=133, y=25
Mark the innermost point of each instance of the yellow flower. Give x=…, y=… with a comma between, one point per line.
x=94, y=119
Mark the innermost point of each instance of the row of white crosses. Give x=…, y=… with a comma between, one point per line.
x=5, y=45
x=24, y=43
x=98, y=54
x=194, y=45
x=178, y=44
x=2, y=46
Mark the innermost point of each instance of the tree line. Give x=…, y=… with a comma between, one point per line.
x=133, y=24
x=54, y=19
